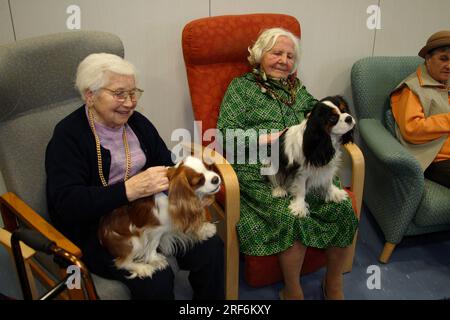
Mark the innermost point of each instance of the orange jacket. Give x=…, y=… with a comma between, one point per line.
x=413, y=124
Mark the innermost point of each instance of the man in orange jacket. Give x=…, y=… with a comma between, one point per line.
x=421, y=108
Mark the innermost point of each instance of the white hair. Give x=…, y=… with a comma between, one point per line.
x=267, y=40
x=95, y=70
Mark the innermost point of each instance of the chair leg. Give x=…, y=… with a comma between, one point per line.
x=387, y=252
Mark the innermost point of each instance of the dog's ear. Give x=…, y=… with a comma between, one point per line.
x=171, y=172
x=344, y=107
x=343, y=104
x=317, y=146
x=185, y=208
x=208, y=200
x=339, y=101
x=195, y=179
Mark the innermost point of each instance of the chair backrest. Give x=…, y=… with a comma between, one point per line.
x=374, y=78
x=37, y=78
x=215, y=51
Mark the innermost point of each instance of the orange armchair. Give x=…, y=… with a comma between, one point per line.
x=215, y=52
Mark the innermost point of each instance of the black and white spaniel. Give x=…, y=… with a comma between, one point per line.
x=310, y=154
x=133, y=233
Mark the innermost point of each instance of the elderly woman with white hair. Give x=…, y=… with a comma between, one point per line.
x=104, y=155
x=272, y=97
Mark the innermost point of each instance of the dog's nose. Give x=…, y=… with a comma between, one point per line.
x=215, y=180
x=349, y=119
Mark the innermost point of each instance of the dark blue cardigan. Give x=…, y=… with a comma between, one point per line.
x=75, y=196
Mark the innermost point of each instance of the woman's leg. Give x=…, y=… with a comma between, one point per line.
x=336, y=258
x=291, y=261
x=158, y=287
x=205, y=261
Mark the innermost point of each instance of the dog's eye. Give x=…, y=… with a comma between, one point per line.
x=197, y=180
x=333, y=119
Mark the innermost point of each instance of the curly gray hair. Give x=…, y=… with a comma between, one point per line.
x=267, y=40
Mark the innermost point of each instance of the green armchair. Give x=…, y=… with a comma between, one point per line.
x=401, y=200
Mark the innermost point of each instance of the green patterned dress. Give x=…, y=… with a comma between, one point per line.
x=266, y=225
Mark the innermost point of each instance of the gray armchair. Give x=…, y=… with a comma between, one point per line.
x=36, y=91
x=401, y=200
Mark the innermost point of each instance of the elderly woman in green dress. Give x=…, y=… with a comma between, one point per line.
x=272, y=97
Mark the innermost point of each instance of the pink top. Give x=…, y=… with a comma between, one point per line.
x=112, y=140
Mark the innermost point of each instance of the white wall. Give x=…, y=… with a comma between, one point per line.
x=6, y=30
x=407, y=24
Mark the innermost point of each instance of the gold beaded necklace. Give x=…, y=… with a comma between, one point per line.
x=290, y=85
x=99, y=154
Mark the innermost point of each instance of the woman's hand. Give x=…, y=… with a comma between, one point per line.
x=269, y=138
x=146, y=183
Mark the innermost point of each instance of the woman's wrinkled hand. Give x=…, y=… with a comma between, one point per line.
x=269, y=138
x=147, y=183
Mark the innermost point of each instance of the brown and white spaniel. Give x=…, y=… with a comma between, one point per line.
x=136, y=233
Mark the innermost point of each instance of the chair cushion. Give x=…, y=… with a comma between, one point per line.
x=389, y=122
x=373, y=79
x=207, y=95
x=434, y=207
x=39, y=72
x=110, y=289
x=22, y=152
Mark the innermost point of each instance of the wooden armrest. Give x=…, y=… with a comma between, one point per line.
x=231, y=213
x=14, y=205
x=358, y=171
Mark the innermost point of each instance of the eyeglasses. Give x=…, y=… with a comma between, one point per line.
x=122, y=95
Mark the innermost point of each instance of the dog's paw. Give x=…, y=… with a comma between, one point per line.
x=336, y=195
x=279, y=192
x=140, y=270
x=159, y=262
x=206, y=231
x=146, y=270
x=299, y=208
